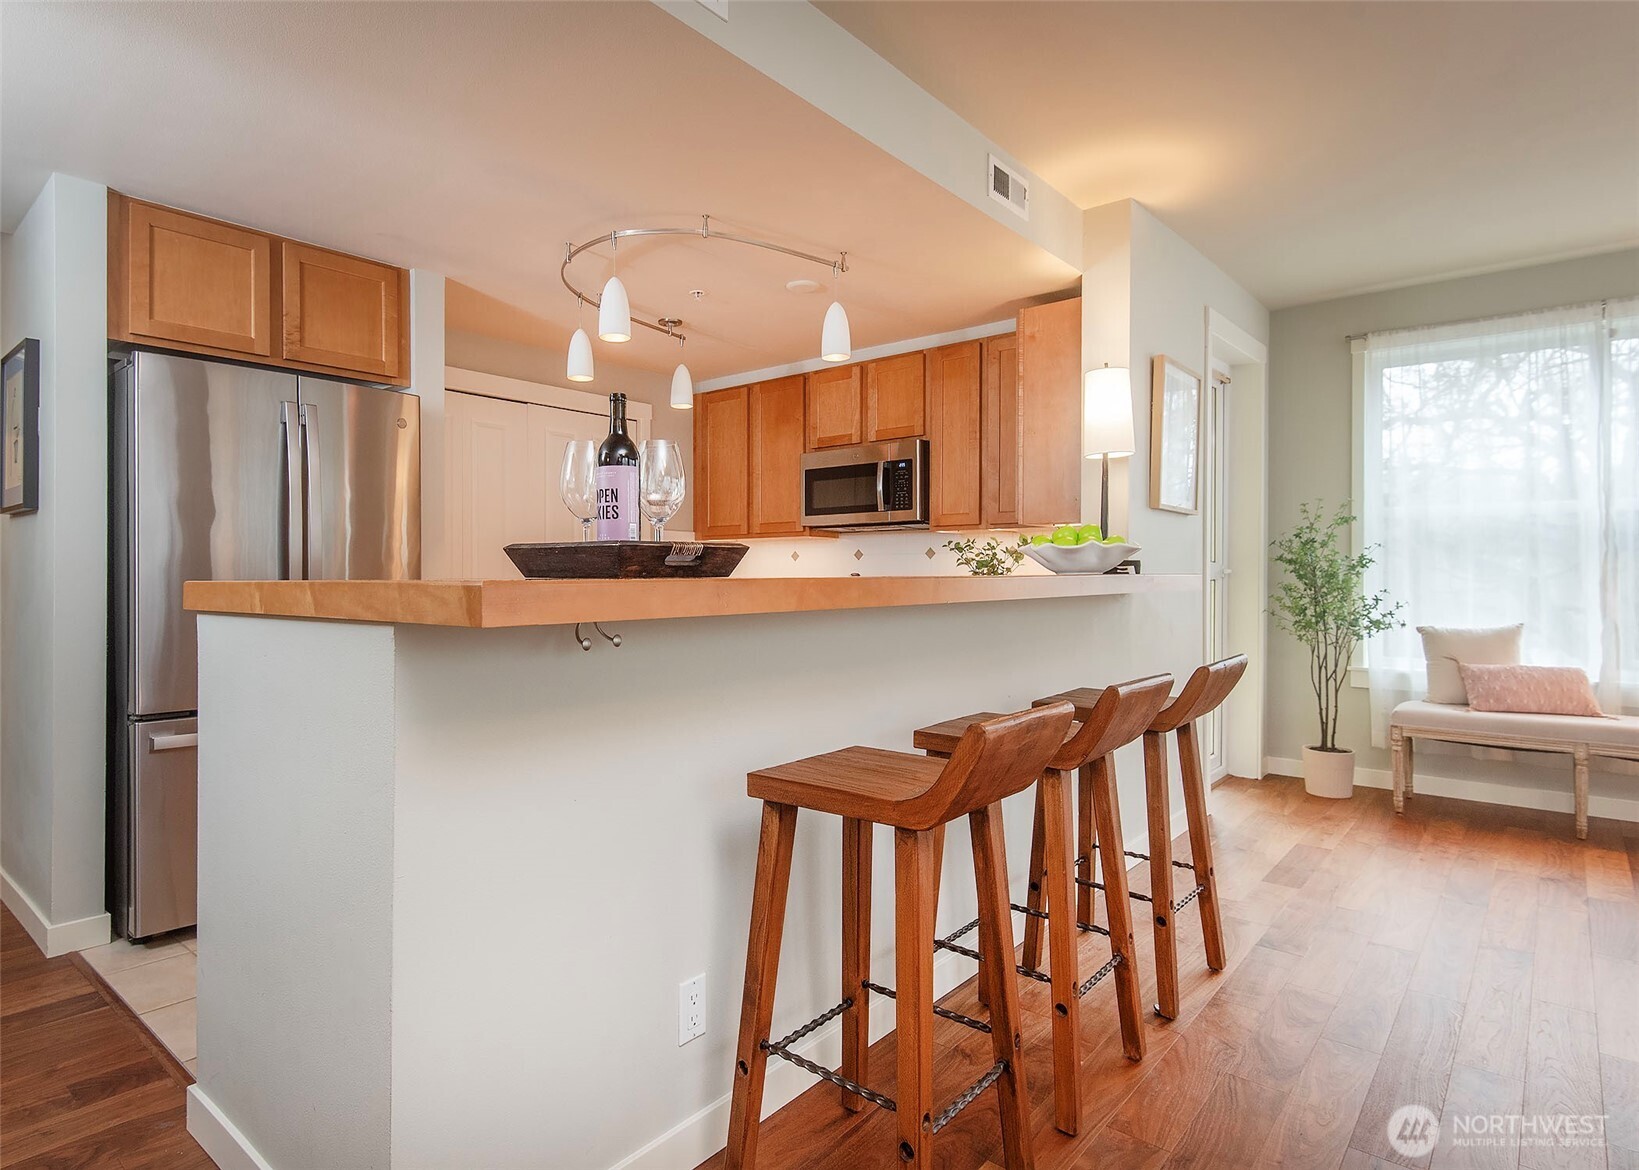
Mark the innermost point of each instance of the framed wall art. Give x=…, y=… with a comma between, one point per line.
x=20, y=429
x=1175, y=436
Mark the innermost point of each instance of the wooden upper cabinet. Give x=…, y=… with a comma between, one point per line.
x=895, y=398
x=1000, y=463
x=775, y=466
x=1050, y=413
x=953, y=406
x=194, y=281
x=185, y=282
x=343, y=311
x=721, y=462
x=834, y=408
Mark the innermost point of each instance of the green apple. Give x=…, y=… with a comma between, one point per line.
x=1114, y=540
x=1089, y=533
x=1040, y=538
x=1067, y=539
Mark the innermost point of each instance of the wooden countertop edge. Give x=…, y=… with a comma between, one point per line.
x=492, y=604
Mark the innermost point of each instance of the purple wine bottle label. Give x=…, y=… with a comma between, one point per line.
x=617, y=502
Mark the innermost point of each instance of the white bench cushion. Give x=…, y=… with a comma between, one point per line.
x=1605, y=736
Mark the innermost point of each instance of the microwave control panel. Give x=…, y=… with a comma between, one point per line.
x=899, y=490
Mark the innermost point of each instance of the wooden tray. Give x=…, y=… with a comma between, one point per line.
x=614, y=559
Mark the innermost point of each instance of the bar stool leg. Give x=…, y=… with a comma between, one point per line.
x=1200, y=844
x=1054, y=787
x=913, y=1003
x=1160, y=826
x=938, y=876
x=1098, y=791
x=1036, y=875
x=768, y=896
x=996, y=930
x=856, y=955
x=1086, y=842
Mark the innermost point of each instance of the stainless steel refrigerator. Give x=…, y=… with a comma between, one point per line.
x=225, y=472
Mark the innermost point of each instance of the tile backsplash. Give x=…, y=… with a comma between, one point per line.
x=868, y=554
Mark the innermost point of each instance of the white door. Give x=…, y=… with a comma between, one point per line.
x=1215, y=474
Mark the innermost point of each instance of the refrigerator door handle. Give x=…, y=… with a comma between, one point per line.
x=171, y=743
x=310, y=477
x=292, y=556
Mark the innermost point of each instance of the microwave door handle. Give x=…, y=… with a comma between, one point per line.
x=881, y=487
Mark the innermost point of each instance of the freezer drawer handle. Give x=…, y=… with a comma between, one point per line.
x=171, y=743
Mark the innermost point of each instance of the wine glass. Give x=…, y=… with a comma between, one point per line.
x=660, y=482
x=577, y=482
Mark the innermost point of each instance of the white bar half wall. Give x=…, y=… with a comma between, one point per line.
x=450, y=880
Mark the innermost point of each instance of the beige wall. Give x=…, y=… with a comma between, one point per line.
x=1311, y=429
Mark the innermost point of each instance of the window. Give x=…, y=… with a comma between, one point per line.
x=1499, y=475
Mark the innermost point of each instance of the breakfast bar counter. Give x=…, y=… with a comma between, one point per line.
x=489, y=604
x=453, y=868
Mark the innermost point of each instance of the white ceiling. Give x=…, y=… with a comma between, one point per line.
x=475, y=139
x=1309, y=149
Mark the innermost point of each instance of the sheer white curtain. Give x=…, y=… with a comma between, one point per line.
x=1500, y=463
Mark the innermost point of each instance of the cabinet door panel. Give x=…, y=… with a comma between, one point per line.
x=776, y=430
x=721, y=437
x=954, y=434
x=198, y=282
x=342, y=311
x=834, y=408
x=1050, y=413
x=1002, y=455
x=895, y=398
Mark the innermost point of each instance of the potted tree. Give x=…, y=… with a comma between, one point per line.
x=1322, y=603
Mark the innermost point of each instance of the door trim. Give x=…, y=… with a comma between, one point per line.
x=538, y=393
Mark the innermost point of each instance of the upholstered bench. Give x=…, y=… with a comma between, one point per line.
x=1579, y=736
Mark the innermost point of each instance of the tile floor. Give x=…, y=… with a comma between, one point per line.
x=156, y=981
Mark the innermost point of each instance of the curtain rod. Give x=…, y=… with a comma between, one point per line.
x=1604, y=309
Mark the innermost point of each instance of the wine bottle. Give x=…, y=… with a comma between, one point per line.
x=617, y=478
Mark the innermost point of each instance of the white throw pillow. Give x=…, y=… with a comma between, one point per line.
x=1444, y=648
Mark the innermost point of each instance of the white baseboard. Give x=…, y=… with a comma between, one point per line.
x=219, y=1137
x=1484, y=791
x=53, y=938
x=699, y=1136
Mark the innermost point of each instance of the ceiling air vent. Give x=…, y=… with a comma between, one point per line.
x=1009, y=188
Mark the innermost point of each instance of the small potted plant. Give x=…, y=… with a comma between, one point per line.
x=990, y=559
x=1322, y=603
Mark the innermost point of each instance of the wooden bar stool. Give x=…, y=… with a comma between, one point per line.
x=1207, y=687
x=916, y=795
x=1119, y=715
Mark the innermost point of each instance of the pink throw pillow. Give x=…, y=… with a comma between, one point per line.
x=1537, y=690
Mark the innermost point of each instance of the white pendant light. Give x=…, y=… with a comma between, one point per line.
x=835, y=342
x=682, y=388
x=615, y=312
x=580, y=357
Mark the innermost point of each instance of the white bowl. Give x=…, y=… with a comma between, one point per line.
x=1080, y=558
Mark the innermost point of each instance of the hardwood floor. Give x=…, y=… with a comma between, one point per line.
x=82, y=1084
x=1474, y=959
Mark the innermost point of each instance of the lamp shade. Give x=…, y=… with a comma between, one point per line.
x=1107, y=412
x=615, y=312
x=835, y=342
x=682, y=388
x=580, y=357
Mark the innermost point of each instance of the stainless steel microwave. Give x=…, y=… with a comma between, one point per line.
x=873, y=485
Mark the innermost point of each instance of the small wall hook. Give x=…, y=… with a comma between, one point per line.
x=583, y=642
x=614, y=639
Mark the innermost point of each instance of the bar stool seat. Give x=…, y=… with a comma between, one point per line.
x=868, y=783
x=940, y=739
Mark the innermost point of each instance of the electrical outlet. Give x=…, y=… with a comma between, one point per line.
x=691, y=1009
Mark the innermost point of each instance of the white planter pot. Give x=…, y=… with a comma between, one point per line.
x=1329, y=774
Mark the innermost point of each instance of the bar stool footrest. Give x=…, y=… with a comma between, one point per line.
x=942, y=1012
x=1029, y=911
x=1092, y=928
x=1092, y=980
x=948, y=1114
x=969, y=953
x=1082, y=860
x=781, y=1048
x=1188, y=898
